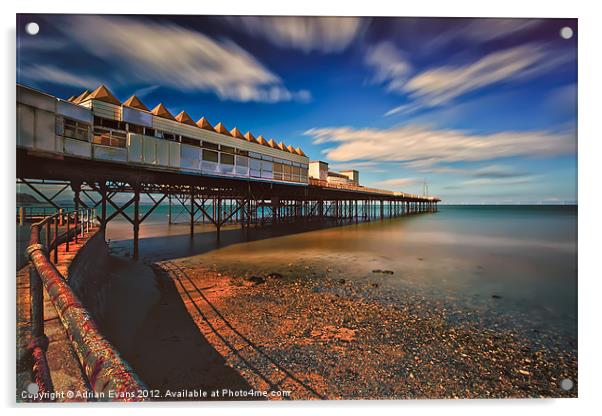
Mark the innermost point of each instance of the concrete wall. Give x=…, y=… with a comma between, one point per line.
x=88, y=275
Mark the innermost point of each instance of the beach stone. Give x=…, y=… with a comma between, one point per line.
x=256, y=280
x=274, y=276
x=496, y=296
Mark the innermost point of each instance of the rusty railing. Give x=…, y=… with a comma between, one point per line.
x=107, y=373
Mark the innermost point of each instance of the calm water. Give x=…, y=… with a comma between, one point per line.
x=525, y=256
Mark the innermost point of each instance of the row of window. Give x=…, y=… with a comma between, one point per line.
x=113, y=133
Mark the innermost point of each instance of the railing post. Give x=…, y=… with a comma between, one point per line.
x=82, y=224
x=136, y=224
x=21, y=215
x=39, y=341
x=68, y=233
x=47, y=235
x=36, y=303
x=56, y=239
x=75, y=221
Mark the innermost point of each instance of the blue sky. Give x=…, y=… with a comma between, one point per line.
x=483, y=110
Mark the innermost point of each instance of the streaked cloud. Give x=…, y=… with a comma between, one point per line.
x=389, y=64
x=55, y=75
x=440, y=85
x=399, y=182
x=173, y=56
x=479, y=31
x=321, y=34
x=421, y=147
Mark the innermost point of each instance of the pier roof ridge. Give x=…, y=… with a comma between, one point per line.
x=161, y=111
x=102, y=93
x=184, y=118
x=134, y=102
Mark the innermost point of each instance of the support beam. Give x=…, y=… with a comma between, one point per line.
x=136, y=222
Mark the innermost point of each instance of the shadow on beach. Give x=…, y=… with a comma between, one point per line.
x=170, y=353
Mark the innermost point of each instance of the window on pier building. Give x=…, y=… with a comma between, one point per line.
x=190, y=141
x=169, y=136
x=76, y=130
x=108, y=137
x=296, y=173
x=112, y=124
x=211, y=146
x=210, y=156
x=278, y=171
x=287, y=172
x=255, y=168
x=226, y=159
x=226, y=149
x=135, y=128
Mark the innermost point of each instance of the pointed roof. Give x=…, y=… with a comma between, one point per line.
x=250, y=138
x=290, y=149
x=161, y=111
x=73, y=97
x=184, y=118
x=204, y=124
x=272, y=143
x=261, y=140
x=236, y=133
x=299, y=151
x=81, y=97
x=134, y=102
x=282, y=146
x=220, y=128
x=102, y=93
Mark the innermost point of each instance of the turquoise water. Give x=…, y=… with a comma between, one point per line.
x=519, y=260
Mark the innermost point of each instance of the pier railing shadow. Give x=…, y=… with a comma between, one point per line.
x=182, y=279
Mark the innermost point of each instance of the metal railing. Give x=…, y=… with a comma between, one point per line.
x=359, y=188
x=102, y=365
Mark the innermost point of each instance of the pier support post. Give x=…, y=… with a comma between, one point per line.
x=136, y=222
x=103, y=206
x=76, y=187
x=218, y=221
x=192, y=214
x=169, y=208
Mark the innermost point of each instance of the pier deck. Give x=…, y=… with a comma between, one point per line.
x=216, y=199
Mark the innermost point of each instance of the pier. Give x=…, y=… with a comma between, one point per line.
x=98, y=148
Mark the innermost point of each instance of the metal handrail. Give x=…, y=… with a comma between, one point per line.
x=351, y=187
x=107, y=373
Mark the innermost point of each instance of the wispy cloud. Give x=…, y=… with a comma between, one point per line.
x=399, y=182
x=143, y=92
x=33, y=74
x=390, y=65
x=423, y=147
x=321, y=34
x=478, y=31
x=440, y=85
x=173, y=56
